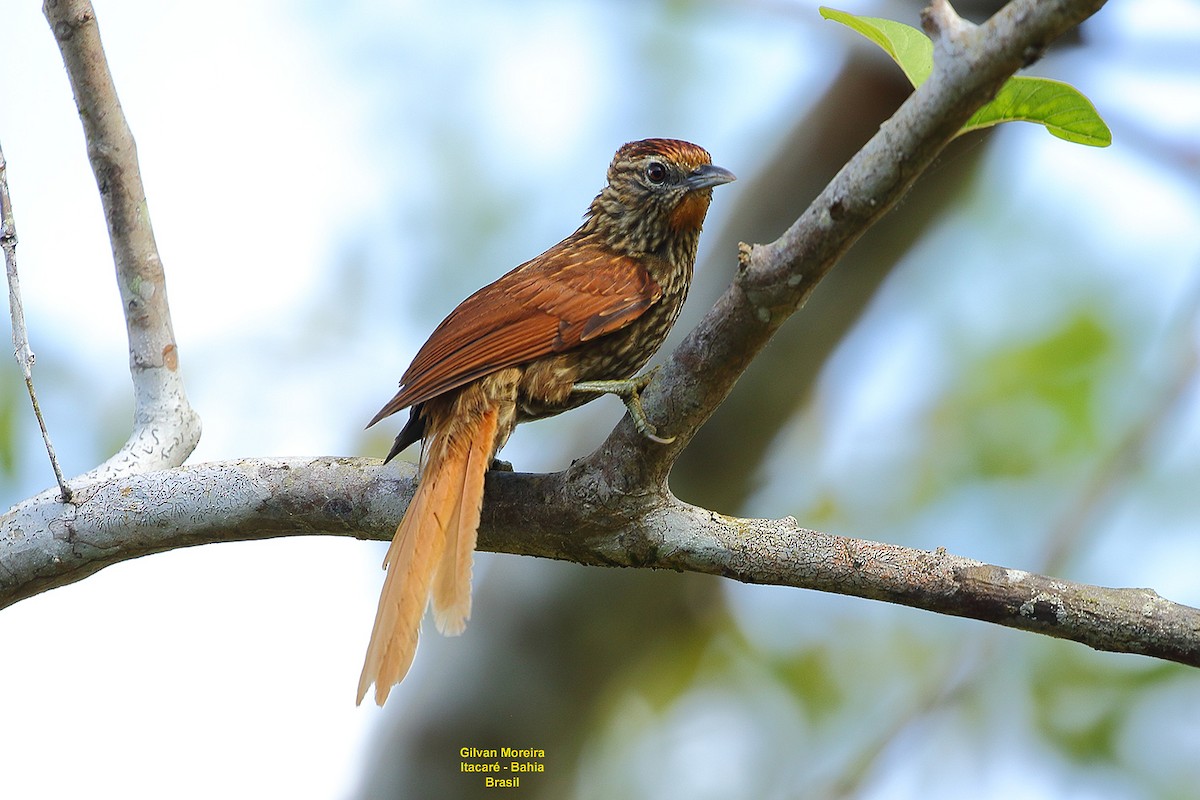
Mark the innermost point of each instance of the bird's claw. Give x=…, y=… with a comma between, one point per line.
x=630, y=391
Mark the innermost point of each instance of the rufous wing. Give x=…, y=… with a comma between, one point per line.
x=570, y=294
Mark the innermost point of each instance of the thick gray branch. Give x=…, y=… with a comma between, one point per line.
x=44, y=543
x=166, y=428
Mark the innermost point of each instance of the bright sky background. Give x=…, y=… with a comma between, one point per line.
x=138, y=686
x=230, y=671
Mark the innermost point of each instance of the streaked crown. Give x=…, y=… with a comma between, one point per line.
x=658, y=194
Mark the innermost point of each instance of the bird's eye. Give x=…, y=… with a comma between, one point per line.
x=655, y=172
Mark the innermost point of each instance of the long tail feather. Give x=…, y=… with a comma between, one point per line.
x=452, y=580
x=438, y=529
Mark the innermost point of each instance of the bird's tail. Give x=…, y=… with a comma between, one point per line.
x=432, y=549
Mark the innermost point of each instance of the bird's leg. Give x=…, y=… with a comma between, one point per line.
x=630, y=391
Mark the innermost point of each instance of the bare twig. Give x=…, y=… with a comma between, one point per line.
x=166, y=428
x=20, y=335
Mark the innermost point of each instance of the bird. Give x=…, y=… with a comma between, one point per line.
x=577, y=321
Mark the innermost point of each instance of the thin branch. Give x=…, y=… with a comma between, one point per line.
x=166, y=428
x=45, y=544
x=20, y=335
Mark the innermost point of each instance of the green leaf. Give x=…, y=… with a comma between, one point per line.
x=908, y=47
x=1059, y=107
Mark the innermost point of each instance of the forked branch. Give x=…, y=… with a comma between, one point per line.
x=166, y=429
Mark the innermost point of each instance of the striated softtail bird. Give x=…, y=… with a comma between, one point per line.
x=579, y=320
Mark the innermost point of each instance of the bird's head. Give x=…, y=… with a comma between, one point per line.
x=657, y=194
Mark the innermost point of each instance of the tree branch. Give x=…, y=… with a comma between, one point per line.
x=774, y=280
x=44, y=544
x=166, y=428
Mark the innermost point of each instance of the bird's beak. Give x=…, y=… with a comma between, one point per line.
x=708, y=175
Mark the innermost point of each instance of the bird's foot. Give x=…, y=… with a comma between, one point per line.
x=630, y=391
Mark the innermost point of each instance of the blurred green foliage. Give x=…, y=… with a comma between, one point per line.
x=1017, y=410
x=1082, y=705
